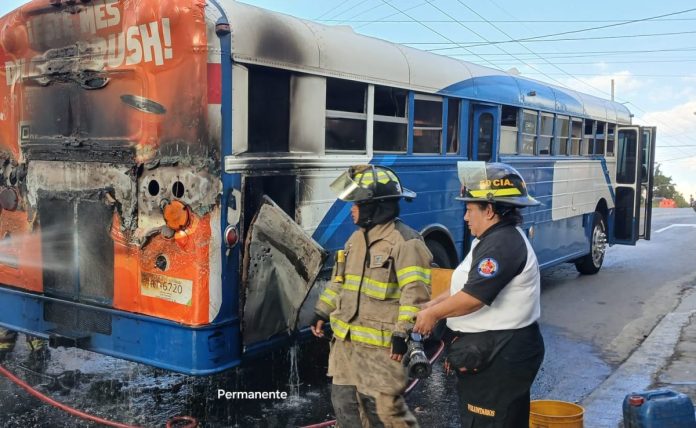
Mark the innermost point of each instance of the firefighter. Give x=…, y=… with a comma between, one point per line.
x=38, y=349
x=372, y=301
x=494, y=302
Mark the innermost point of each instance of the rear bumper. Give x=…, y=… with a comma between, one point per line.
x=199, y=351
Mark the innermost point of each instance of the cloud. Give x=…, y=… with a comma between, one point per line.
x=600, y=86
x=678, y=121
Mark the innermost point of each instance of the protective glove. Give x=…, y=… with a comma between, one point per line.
x=398, y=345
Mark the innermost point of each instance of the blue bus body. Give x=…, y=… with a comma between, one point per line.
x=287, y=127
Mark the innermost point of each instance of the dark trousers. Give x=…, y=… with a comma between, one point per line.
x=498, y=396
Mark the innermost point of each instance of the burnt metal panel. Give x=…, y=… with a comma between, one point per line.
x=95, y=250
x=77, y=248
x=281, y=263
x=58, y=247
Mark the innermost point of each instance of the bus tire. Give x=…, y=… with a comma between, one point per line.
x=592, y=262
x=440, y=256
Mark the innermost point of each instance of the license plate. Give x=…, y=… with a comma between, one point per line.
x=166, y=288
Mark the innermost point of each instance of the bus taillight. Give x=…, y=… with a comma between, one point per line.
x=231, y=236
x=176, y=215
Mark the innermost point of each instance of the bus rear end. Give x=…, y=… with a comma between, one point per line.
x=110, y=181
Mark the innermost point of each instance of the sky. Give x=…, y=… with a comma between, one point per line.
x=648, y=48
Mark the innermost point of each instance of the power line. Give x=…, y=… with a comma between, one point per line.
x=536, y=38
x=467, y=28
x=553, y=65
x=566, y=39
x=432, y=29
x=684, y=49
x=466, y=21
x=502, y=62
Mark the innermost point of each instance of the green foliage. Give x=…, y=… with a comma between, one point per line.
x=664, y=188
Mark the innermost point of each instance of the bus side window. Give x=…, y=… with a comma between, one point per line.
x=545, y=134
x=529, y=132
x=575, y=136
x=562, y=132
x=427, y=124
x=485, y=137
x=587, y=146
x=391, y=121
x=508, y=130
x=269, y=110
x=611, y=136
x=600, y=137
x=453, y=126
x=346, y=115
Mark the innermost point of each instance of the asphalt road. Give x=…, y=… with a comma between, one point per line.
x=590, y=325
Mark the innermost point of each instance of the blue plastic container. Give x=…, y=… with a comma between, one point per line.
x=660, y=408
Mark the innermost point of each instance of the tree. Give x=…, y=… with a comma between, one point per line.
x=664, y=188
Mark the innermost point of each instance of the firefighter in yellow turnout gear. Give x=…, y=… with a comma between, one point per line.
x=38, y=349
x=372, y=301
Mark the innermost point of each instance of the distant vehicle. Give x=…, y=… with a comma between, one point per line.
x=138, y=140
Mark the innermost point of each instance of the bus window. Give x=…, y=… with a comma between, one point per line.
x=529, y=132
x=453, y=126
x=587, y=144
x=346, y=117
x=561, y=141
x=391, y=122
x=600, y=135
x=508, y=128
x=269, y=110
x=611, y=130
x=545, y=134
x=626, y=169
x=575, y=136
x=427, y=124
x=485, y=137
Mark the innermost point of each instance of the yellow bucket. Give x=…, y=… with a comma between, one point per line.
x=555, y=414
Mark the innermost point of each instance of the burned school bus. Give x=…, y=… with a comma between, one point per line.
x=165, y=167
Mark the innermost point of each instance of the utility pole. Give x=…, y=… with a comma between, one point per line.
x=612, y=89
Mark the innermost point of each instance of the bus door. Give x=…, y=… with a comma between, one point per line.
x=628, y=186
x=484, y=133
x=647, y=156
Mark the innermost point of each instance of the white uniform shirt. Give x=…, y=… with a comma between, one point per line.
x=514, y=303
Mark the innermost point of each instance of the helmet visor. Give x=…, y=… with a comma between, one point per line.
x=347, y=189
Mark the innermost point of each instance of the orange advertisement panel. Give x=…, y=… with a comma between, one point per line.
x=91, y=92
x=104, y=71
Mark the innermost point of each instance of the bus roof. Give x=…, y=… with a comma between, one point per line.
x=278, y=40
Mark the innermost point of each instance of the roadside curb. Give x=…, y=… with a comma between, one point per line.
x=603, y=405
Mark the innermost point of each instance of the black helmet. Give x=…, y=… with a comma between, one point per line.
x=366, y=183
x=496, y=183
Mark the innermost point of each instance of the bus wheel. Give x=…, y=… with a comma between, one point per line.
x=440, y=256
x=591, y=263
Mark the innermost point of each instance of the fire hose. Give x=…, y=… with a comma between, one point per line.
x=172, y=423
x=409, y=388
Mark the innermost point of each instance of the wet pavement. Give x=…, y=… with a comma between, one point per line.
x=592, y=327
x=139, y=395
